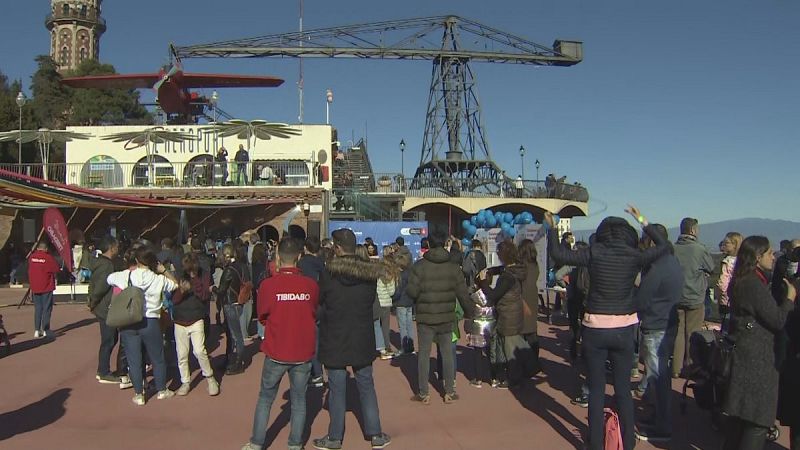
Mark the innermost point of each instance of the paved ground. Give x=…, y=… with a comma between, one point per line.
x=50, y=399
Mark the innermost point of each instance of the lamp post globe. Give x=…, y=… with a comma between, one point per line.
x=537, y=169
x=402, y=157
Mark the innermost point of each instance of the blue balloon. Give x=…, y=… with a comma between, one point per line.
x=466, y=242
x=473, y=220
x=471, y=230
x=465, y=223
x=512, y=232
x=556, y=218
x=505, y=227
x=498, y=216
x=491, y=222
x=482, y=212
x=527, y=220
x=509, y=217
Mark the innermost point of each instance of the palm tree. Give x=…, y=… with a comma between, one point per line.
x=152, y=135
x=44, y=137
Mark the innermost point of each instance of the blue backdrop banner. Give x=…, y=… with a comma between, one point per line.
x=385, y=233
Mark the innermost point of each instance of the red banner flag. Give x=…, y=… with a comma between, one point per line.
x=56, y=230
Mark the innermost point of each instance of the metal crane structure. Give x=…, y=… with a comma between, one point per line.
x=455, y=150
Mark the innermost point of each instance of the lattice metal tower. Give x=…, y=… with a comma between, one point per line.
x=455, y=149
x=75, y=29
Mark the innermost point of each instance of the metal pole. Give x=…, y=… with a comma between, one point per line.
x=19, y=155
x=522, y=160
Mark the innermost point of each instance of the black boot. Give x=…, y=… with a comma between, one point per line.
x=236, y=367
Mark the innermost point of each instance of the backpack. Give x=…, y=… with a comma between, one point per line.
x=127, y=306
x=613, y=440
x=245, y=288
x=711, y=354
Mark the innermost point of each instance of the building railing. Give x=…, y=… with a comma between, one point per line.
x=475, y=187
x=76, y=14
x=160, y=174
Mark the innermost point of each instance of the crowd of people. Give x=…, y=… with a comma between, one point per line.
x=323, y=307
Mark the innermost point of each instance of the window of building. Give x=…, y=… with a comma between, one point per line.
x=83, y=54
x=65, y=9
x=64, y=56
x=83, y=11
x=101, y=171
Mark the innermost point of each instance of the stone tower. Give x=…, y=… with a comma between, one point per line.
x=75, y=29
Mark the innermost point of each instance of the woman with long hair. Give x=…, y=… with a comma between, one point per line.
x=387, y=285
x=756, y=319
x=530, y=297
x=154, y=280
x=506, y=297
x=729, y=247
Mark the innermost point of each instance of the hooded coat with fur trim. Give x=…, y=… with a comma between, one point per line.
x=347, y=292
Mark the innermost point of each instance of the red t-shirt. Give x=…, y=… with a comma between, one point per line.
x=42, y=270
x=287, y=307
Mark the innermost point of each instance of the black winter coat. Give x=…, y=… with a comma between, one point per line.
x=400, y=297
x=507, y=299
x=530, y=295
x=435, y=283
x=347, y=291
x=99, y=290
x=613, y=260
x=756, y=321
x=789, y=388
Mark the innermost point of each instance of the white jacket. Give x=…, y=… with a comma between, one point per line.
x=153, y=285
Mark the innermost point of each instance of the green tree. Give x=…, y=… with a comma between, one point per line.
x=51, y=100
x=105, y=106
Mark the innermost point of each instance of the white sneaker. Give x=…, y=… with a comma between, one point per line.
x=138, y=399
x=183, y=390
x=125, y=382
x=36, y=334
x=165, y=394
x=213, y=386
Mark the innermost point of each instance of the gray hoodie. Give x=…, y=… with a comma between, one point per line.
x=697, y=264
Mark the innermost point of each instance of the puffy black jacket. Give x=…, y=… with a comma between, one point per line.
x=507, y=299
x=659, y=294
x=347, y=290
x=311, y=266
x=99, y=290
x=435, y=283
x=613, y=261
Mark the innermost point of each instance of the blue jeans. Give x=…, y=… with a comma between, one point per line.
x=271, y=376
x=616, y=345
x=147, y=333
x=235, y=341
x=379, y=344
x=657, y=346
x=316, y=366
x=43, y=308
x=337, y=401
x=405, y=322
x=245, y=317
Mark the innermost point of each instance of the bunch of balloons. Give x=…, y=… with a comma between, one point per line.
x=488, y=219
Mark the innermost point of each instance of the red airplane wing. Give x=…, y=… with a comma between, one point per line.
x=129, y=81
x=205, y=80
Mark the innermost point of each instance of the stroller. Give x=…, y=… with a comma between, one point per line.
x=709, y=374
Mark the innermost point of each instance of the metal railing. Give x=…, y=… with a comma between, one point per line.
x=161, y=174
x=474, y=187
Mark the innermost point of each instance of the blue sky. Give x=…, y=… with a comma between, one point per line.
x=683, y=107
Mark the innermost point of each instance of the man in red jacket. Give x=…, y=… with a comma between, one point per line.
x=42, y=270
x=287, y=306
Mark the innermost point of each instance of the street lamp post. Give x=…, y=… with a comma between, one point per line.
x=537, y=169
x=402, y=157
x=20, y=103
x=214, y=99
x=522, y=159
x=328, y=101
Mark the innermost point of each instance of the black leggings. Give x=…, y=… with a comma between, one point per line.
x=744, y=435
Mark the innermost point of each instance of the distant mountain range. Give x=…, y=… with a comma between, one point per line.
x=712, y=233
